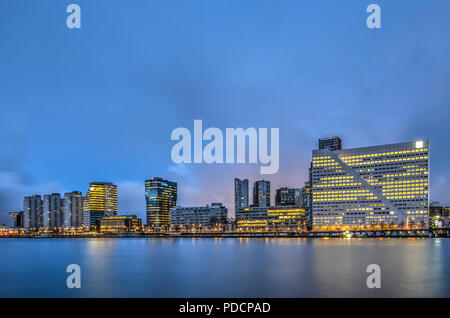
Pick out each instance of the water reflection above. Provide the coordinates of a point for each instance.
(244, 267)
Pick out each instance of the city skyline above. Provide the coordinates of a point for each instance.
(92, 104)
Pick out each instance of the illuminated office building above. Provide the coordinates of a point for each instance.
(73, 209)
(100, 202)
(160, 197)
(52, 211)
(278, 218)
(371, 188)
(33, 216)
(120, 223)
(240, 194)
(261, 193)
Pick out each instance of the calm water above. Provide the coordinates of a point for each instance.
(225, 267)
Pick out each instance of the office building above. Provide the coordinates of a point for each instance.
(278, 218)
(100, 202)
(261, 193)
(240, 194)
(371, 188)
(330, 143)
(160, 197)
(18, 218)
(288, 196)
(33, 216)
(52, 210)
(199, 217)
(73, 209)
(120, 223)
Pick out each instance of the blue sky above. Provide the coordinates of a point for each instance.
(99, 103)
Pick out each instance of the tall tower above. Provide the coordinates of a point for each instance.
(73, 209)
(32, 207)
(52, 211)
(100, 201)
(240, 194)
(261, 193)
(160, 197)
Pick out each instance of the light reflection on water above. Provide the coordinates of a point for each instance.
(244, 267)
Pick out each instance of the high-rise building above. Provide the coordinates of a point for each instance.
(33, 217)
(100, 202)
(288, 196)
(240, 194)
(200, 217)
(18, 218)
(330, 143)
(73, 209)
(381, 187)
(261, 193)
(52, 211)
(160, 197)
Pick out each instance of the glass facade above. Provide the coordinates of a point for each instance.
(371, 188)
(160, 197)
(100, 202)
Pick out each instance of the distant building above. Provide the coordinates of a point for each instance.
(18, 218)
(330, 143)
(200, 217)
(100, 202)
(439, 215)
(279, 218)
(120, 223)
(374, 188)
(160, 197)
(33, 216)
(52, 210)
(73, 209)
(240, 194)
(288, 196)
(261, 193)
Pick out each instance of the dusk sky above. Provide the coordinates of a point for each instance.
(99, 103)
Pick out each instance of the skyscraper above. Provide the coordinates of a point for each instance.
(288, 196)
(52, 211)
(17, 219)
(100, 201)
(160, 197)
(32, 207)
(381, 187)
(330, 143)
(261, 193)
(73, 209)
(240, 194)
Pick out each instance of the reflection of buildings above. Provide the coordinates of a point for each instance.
(160, 197)
(377, 187)
(100, 202)
(120, 223)
(200, 217)
(271, 218)
(261, 193)
(17, 219)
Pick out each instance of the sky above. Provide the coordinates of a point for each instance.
(99, 103)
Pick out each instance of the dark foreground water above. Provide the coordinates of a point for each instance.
(224, 267)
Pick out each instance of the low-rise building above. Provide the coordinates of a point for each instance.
(120, 223)
(274, 218)
(209, 216)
